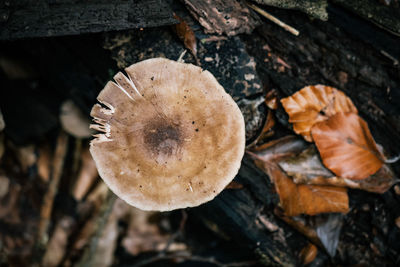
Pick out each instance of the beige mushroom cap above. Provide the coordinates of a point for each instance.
(171, 136)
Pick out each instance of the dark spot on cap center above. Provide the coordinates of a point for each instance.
(163, 137)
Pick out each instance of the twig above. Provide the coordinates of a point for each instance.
(274, 19)
(88, 257)
(48, 199)
(389, 56)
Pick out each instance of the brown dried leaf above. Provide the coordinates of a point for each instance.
(271, 99)
(308, 253)
(266, 131)
(307, 168)
(347, 147)
(309, 199)
(322, 230)
(186, 34)
(276, 149)
(234, 185)
(314, 104)
(301, 224)
(297, 199)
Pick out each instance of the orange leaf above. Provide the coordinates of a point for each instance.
(234, 185)
(313, 104)
(307, 168)
(308, 199)
(305, 199)
(308, 254)
(186, 34)
(347, 147)
(297, 199)
(271, 99)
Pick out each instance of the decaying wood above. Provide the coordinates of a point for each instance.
(223, 17)
(314, 8)
(385, 16)
(26, 18)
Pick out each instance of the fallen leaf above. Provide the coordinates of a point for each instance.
(276, 149)
(347, 147)
(303, 224)
(307, 168)
(298, 199)
(234, 185)
(308, 199)
(271, 99)
(186, 34)
(308, 254)
(322, 230)
(253, 116)
(314, 104)
(266, 131)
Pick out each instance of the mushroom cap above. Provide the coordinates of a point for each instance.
(171, 136)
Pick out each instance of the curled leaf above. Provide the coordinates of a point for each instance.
(266, 131)
(271, 99)
(234, 185)
(297, 199)
(309, 199)
(276, 149)
(307, 168)
(314, 104)
(186, 35)
(305, 199)
(347, 147)
(308, 253)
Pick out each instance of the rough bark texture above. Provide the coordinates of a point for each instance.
(223, 17)
(26, 18)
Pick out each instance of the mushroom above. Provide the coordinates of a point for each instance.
(170, 136)
(73, 121)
